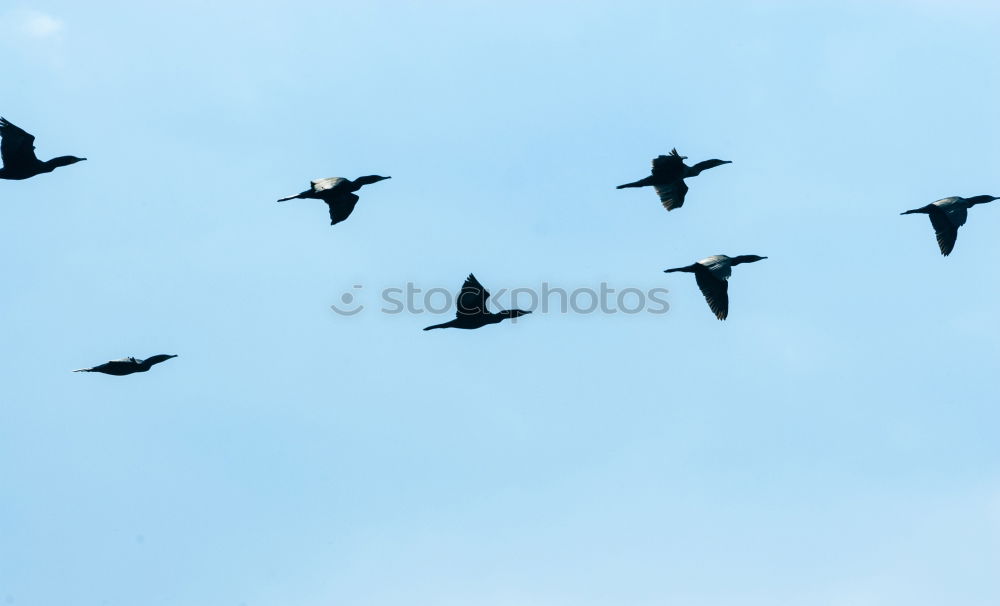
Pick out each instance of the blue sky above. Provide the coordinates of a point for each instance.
(831, 443)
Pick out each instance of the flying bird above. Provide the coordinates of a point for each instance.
(338, 193)
(127, 366)
(947, 215)
(712, 274)
(471, 311)
(17, 149)
(668, 177)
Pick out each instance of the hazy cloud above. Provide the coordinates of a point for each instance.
(32, 24)
(37, 36)
(39, 25)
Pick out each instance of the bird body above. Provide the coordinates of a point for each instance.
(471, 311)
(712, 275)
(127, 366)
(338, 193)
(947, 215)
(668, 176)
(17, 149)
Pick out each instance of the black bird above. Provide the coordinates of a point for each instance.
(471, 309)
(947, 215)
(712, 274)
(127, 366)
(668, 177)
(18, 151)
(338, 193)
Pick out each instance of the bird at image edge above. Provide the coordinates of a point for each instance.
(947, 215)
(17, 148)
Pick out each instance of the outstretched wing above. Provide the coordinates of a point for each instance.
(716, 292)
(945, 230)
(319, 185)
(668, 167)
(672, 194)
(341, 207)
(119, 367)
(472, 298)
(17, 146)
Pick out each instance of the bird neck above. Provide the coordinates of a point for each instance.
(55, 163)
(980, 199)
(367, 180)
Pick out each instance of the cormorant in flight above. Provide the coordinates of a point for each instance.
(668, 177)
(338, 193)
(127, 366)
(18, 151)
(712, 274)
(947, 215)
(471, 311)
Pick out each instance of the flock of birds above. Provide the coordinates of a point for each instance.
(17, 148)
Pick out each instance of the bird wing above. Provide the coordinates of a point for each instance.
(957, 214)
(716, 292)
(672, 195)
(341, 207)
(319, 185)
(113, 365)
(945, 230)
(669, 167)
(17, 146)
(472, 298)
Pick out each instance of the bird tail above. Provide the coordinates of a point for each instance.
(633, 184)
(686, 268)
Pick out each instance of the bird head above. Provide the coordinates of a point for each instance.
(514, 313)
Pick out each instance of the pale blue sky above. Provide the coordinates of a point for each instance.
(832, 443)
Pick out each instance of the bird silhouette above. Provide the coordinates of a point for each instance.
(947, 215)
(712, 274)
(471, 311)
(127, 366)
(17, 148)
(338, 193)
(668, 176)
